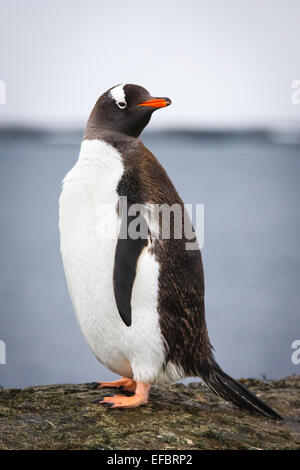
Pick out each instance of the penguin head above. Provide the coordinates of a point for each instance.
(126, 109)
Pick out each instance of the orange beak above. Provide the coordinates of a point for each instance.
(156, 102)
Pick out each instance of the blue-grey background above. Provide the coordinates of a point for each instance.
(230, 140)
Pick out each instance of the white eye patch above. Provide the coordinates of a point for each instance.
(118, 94)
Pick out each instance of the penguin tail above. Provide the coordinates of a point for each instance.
(233, 391)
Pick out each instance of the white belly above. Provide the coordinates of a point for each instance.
(89, 226)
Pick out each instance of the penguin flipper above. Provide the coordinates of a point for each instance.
(127, 253)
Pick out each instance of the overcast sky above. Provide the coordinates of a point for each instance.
(223, 63)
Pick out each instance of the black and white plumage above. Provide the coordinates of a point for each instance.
(139, 302)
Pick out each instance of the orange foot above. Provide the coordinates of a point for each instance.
(122, 384)
(118, 401)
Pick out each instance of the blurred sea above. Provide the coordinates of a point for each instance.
(250, 185)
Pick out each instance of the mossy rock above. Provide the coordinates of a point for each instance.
(179, 417)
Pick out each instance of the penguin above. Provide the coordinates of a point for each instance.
(138, 297)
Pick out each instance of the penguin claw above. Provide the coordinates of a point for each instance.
(95, 385)
(123, 384)
(106, 404)
(98, 400)
(102, 401)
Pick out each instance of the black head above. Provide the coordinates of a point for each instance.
(126, 109)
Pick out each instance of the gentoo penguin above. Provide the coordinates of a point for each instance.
(139, 300)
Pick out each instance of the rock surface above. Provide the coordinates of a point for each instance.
(179, 417)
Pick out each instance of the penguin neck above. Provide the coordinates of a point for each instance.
(115, 138)
(96, 129)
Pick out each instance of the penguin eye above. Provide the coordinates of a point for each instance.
(121, 104)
